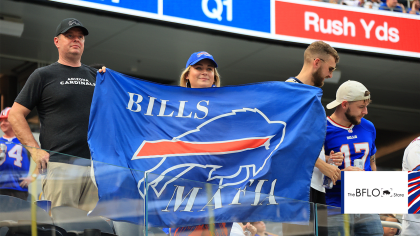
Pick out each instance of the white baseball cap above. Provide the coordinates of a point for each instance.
(350, 91)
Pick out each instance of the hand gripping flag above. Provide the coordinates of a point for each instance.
(175, 156)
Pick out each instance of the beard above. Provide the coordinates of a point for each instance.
(351, 118)
(318, 79)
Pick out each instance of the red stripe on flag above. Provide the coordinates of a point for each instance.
(414, 179)
(415, 212)
(416, 183)
(414, 189)
(166, 147)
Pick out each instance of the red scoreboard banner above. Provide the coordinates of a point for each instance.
(350, 27)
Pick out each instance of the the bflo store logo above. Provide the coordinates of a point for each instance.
(374, 192)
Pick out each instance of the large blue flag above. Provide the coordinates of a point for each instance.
(235, 153)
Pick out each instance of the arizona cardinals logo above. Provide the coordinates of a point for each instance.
(233, 133)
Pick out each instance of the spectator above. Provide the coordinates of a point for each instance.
(368, 5)
(320, 60)
(243, 229)
(14, 162)
(415, 8)
(388, 231)
(319, 64)
(195, 70)
(350, 133)
(261, 229)
(200, 72)
(392, 5)
(376, 4)
(62, 93)
(354, 3)
(411, 162)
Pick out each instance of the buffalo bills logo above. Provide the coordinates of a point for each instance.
(247, 135)
(203, 53)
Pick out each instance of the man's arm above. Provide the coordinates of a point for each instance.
(333, 172)
(402, 7)
(20, 125)
(25, 181)
(23, 133)
(373, 162)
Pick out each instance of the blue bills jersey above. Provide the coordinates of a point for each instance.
(355, 142)
(14, 166)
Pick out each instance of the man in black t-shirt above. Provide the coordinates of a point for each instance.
(62, 93)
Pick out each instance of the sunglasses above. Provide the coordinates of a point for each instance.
(332, 69)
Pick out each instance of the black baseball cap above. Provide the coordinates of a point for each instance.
(69, 23)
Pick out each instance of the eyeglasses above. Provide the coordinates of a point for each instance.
(332, 69)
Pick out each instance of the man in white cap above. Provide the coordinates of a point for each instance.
(348, 132)
(62, 93)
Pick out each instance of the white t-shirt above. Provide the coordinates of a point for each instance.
(411, 161)
(317, 177)
(375, 6)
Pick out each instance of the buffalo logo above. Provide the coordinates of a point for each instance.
(203, 53)
(386, 192)
(247, 135)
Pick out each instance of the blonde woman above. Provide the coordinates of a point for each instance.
(200, 72)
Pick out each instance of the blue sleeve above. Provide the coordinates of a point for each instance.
(383, 6)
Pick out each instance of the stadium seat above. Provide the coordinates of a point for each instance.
(15, 218)
(15, 209)
(128, 229)
(42, 230)
(75, 220)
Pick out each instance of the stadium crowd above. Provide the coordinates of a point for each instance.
(70, 106)
(405, 6)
